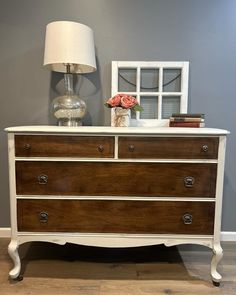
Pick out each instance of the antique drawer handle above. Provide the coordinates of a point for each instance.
(42, 179)
(131, 147)
(27, 146)
(189, 181)
(100, 148)
(205, 148)
(43, 217)
(187, 218)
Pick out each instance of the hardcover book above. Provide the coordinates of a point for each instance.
(188, 115)
(187, 124)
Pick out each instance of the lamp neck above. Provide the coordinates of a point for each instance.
(68, 68)
(68, 80)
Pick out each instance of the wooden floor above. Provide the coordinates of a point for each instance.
(71, 269)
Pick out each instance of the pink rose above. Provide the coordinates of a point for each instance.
(114, 101)
(128, 101)
(124, 101)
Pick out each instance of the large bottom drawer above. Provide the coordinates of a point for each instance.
(116, 216)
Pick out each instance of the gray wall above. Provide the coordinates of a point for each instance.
(200, 31)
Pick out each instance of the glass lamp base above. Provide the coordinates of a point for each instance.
(70, 122)
(69, 110)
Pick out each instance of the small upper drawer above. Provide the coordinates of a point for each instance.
(64, 146)
(168, 147)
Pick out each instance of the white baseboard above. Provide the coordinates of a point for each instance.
(5, 232)
(226, 236)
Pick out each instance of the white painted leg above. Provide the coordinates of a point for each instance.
(13, 252)
(217, 256)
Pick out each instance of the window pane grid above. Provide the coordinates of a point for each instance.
(160, 87)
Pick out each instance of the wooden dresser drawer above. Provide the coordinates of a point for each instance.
(64, 146)
(168, 147)
(134, 217)
(115, 179)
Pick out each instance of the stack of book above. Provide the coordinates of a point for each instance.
(187, 120)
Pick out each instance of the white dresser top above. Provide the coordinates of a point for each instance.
(117, 130)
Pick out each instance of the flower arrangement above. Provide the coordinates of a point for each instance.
(124, 101)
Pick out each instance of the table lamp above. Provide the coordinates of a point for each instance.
(69, 49)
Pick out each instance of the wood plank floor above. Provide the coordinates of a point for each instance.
(71, 269)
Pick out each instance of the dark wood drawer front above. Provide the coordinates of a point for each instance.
(116, 216)
(115, 179)
(168, 148)
(64, 146)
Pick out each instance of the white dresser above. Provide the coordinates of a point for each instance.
(116, 187)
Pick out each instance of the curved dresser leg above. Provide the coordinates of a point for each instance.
(13, 252)
(217, 256)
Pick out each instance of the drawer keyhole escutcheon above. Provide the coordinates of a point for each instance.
(187, 218)
(27, 146)
(205, 148)
(43, 217)
(189, 181)
(43, 179)
(131, 147)
(100, 148)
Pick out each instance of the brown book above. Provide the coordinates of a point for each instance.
(188, 115)
(187, 124)
(184, 119)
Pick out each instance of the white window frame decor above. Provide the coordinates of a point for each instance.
(183, 66)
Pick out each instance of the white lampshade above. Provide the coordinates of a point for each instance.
(71, 43)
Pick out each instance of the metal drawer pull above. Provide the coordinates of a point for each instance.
(205, 148)
(43, 217)
(189, 181)
(187, 218)
(100, 148)
(131, 147)
(27, 146)
(42, 179)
